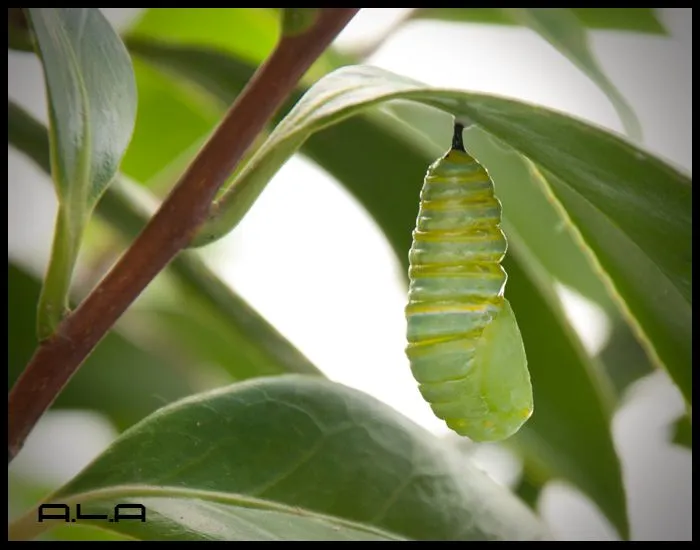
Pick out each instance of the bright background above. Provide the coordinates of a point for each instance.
(326, 316)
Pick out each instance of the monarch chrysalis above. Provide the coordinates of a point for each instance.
(464, 344)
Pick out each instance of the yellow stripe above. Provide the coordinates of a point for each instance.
(489, 200)
(457, 268)
(476, 267)
(459, 236)
(421, 308)
(417, 349)
(476, 177)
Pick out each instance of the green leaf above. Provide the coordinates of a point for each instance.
(238, 338)
(660, 312)
(176, 114)
(172, 117)
(23, 493)
(563, 30)
(683, 432)
(625, 19)
(220, 75)
(569, 435)
(610, 180)
(92, 108)
(197, 517)
(277, 457)
(246, 33)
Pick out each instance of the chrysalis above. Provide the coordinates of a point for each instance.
(464, 344)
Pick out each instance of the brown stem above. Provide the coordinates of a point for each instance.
(169, 231)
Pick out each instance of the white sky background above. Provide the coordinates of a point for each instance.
(350, 322)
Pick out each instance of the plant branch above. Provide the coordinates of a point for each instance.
(170, 229)
(127, 207)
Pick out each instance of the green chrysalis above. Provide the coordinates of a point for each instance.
(464, 344)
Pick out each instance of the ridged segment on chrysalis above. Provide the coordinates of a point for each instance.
(464, 344)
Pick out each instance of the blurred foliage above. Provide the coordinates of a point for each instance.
(18, 35)
(118, 367)
(195, 299)
(619, 19)
(303, 458)
(529, 489)
(683, 432)
(564, 31)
